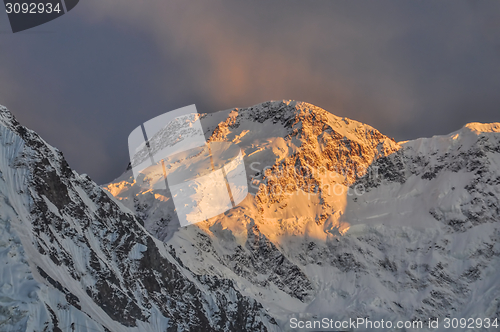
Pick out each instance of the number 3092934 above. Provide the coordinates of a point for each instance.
(31, 8)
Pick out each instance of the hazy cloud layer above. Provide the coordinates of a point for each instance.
(408, 68)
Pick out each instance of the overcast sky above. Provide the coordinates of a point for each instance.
(408, 68)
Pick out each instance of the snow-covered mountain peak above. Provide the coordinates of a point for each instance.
(5, 115)
(278, 137)
(461, 140)
(299, 118)
(484, 127)
(7, 119)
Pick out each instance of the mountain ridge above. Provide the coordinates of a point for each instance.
(307, 227)
(420, 241)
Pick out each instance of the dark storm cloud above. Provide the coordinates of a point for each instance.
(408, 68)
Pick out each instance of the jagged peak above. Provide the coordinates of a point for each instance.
(7, 119)
(31, 138)
(293, 112)
(289, 108)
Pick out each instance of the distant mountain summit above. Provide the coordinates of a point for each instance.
(341, 222)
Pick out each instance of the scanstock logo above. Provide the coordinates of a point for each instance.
(26, 14)
(205, 179)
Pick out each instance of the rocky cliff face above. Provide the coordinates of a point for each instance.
(342, 222)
